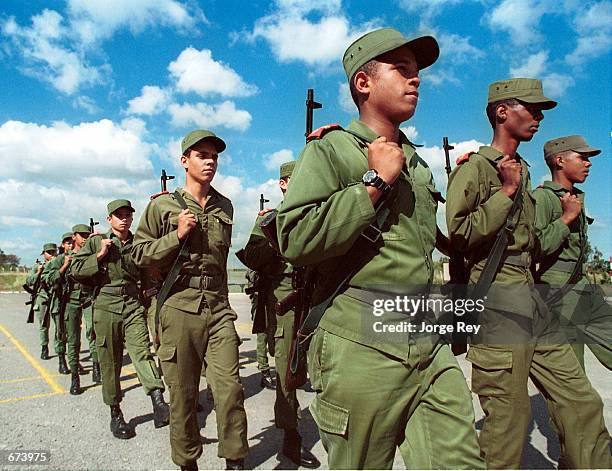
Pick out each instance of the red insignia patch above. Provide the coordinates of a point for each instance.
(319, 133)
(464, 157)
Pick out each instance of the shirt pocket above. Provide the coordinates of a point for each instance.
(221, 229)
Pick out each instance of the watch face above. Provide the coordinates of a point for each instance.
(369, 176)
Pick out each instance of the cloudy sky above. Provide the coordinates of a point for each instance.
(96, 94)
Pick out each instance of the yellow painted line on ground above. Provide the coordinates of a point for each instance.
(23, 380)
(43, 373)
(34, 396)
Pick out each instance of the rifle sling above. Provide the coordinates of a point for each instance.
(499, 246)
(175, 270)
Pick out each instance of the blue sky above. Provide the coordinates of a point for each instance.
(96, 94)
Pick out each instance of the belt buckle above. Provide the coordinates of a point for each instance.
(205, 282)
(372, 238)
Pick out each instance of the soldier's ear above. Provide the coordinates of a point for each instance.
(362, 82)
(501, 112)
(185, 160)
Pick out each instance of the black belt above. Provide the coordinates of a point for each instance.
(203, 282)
(124, 290)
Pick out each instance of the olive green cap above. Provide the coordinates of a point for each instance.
(575, 143)
(198, 135)
(49, 246)
(67, 235)
(377, 42)
(81, 228)
(523, 89)
(116, 204)
(286, 169)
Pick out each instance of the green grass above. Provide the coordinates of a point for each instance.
(12, 281)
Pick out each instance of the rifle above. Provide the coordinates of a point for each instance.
(164, 179)
(262, 202)
(33, 292)
(92, 224)
(299, 299)
(456, 268)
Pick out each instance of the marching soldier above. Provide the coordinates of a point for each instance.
(585, 315)
(49, 251)
(105, 262)
(187, 236)
(362, 208)
(260, 256)
(52, 276)
(490, 215)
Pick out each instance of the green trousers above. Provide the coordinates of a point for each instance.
(499, 377)
(43, 332)
(90, 333)
(368, 403)
(262, 341)
(286, 406)
(114, 331)
(59, 338)
(73, 317)
(187, 340)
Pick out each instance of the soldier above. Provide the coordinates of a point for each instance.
(374, 394)
(187, 235)
(105, 261)
(266, 381)
(488, 197)
(260, 256)
(585, 315)
(49, 251)
(52, 277)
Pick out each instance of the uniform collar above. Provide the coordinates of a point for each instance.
(111, 235)
(212, 195)
(494, 155)
(364, 130)
(557, 188)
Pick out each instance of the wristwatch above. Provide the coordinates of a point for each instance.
(371, 178)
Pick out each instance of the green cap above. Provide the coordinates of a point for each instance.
(116, 204)
(49, 246)
(377, 42)
(523, 89)
(286, 169)
(575, 143)
(81, 228)
(67, 235)
(198, 135)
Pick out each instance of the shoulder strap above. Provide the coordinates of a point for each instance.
(175, 270)
(501, 241)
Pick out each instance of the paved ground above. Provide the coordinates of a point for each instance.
(37, 413)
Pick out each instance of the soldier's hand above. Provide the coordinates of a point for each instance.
(387, 158)
(104, 246)
(186, 223)
(39, 269)
(510, 172)
(571, 208)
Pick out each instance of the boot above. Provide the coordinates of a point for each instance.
(118, 426)
(75, 385)
(44, 354)
(161, 411)
(190, 467)
(81, 369)
(63, 367)
(292, 449)
(267, 381)
(95, 373)
(234, 464)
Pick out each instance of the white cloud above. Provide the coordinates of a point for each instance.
(94, 20)
(86, 103)
(555, 85)
(520, 19)
(152, 100)
(536, 65)
(410, 132)
(210, 116)
(46, 55)
(593, 28)
(344, 98)
(457, 49)
(274, 160)
(21, 221)
(197, 71)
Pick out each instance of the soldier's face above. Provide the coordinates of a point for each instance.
(394, 88)
(48, 255)
(522, 120)
(68, 244)
(575, 166)
(201, 165)
(121, 219)
(79, 239)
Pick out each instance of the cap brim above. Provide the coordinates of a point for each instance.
(546, 103)
(590, 151)
(216, 141)
(426, 50)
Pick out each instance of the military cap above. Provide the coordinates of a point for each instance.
(377, 42)
(116, 204)
(575, 143)
(286, 169)
(523, 89)
(49, 246)
(67, 235)
(198, 135)
(81, 228)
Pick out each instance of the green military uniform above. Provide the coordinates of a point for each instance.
(585, 315)
(261, 350)
(196, 320)
(374, 394)
(40, 304)
(519, 337)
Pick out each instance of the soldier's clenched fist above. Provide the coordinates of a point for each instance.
(387, 158)
(510, 172)
(186, 223)
(104, 246)
(571, 208)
